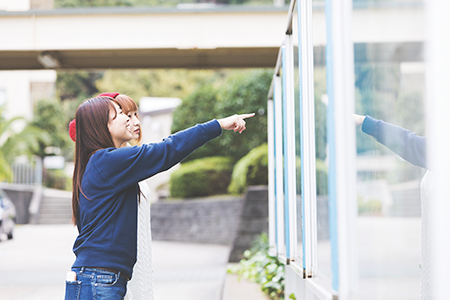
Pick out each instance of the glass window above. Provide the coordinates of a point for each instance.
(389, 86)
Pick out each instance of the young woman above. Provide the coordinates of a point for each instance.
(105, 189)
(141, 285)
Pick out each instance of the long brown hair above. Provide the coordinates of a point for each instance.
(128, 105)
(92, 119)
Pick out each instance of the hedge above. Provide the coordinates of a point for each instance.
(201, 177)
(250, 170)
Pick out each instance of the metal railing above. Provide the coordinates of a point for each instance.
(27, 172)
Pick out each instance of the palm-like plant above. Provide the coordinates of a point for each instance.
(14, 143)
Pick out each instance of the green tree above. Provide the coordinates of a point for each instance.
(239, 92)
(245, 92)
(14, 143)
(77, 85)
(178, 83)
(49, 116)
(198, 107)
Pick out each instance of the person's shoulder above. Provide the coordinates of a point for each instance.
(107, 153)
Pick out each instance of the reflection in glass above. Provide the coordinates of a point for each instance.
(388, 195)
(323, 227)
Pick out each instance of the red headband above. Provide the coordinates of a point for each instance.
(72, 124)
(112, 95)
(73, 130)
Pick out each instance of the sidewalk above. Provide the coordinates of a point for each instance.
(33, 267)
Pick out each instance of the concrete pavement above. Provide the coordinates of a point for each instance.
(33, 267)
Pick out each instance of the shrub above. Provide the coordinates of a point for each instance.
(250, 170)
(260, 267)
(55, 179)
(201, 177)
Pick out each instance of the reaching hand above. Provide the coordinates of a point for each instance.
(358, 119)
(235, 122)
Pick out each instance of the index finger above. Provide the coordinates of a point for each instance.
(245, 116)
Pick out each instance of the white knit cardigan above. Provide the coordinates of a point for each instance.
(140, 287)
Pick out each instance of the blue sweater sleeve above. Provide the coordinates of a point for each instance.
(405, 143)
(124, 167)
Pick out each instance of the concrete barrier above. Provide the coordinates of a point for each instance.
(225, 221)
(252, 222)
(21, 196)
(207, 220)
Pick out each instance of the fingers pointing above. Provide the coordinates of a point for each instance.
(245, 116)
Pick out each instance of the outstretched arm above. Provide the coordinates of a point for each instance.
(126, 166)
(405, 143)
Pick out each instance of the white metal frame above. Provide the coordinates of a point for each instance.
(277, 90)
(343, 97)
(290, 136)
(308, 138)
(343, 94)
(271, 183)
(438, 145)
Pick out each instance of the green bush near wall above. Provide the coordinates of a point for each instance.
(250, 170)
(201, 177)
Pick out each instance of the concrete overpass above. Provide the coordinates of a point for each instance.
(225, 37)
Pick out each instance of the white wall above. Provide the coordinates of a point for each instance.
(15, 90)
(14, 5)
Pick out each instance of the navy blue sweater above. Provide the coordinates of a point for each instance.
(405, 143)
(107, 220)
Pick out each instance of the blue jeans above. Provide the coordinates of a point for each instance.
(96, 284)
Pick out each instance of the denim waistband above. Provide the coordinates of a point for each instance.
(99, 270)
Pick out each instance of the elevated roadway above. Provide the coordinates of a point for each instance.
(226, 37)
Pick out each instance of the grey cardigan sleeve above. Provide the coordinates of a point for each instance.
(405, 143)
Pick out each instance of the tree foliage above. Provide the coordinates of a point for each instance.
(78, 85)
(240, 92)
(13, 143)
(50, 116)
(178, 83)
